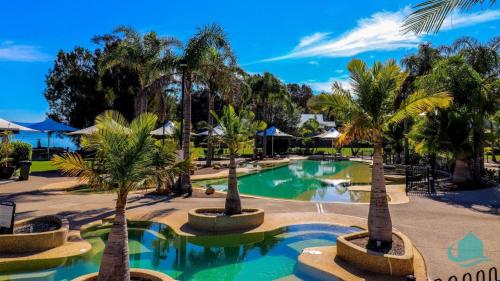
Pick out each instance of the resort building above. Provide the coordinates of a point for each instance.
(319, 117)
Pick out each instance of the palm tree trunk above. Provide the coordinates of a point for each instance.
(478, 150)
(461, 174)
(379, 217)
(264, 143)
(255, 147)
(115, 260)
(210, 122)
(186, 131)
(233, 201)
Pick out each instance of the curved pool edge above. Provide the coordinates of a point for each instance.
(74, 246)
(396, 197)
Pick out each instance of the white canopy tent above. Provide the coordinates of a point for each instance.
(166, 130)
(331, 134)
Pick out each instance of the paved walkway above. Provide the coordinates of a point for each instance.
(433, 223)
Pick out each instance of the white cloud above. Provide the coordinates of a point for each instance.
(339, 71)
(9, 51)
(380, 32)
(313, 62)
(458, 19)
(326, 86)
(311, 39)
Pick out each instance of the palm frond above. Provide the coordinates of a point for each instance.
(420, 102)
(429, 15)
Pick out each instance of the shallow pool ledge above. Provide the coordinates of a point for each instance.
(322, 263)
(178, 221)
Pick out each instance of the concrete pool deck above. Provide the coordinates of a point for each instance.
(433, 223)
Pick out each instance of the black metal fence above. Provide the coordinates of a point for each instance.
(481, 275)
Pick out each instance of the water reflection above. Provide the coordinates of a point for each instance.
(263, 256)
(307, 180)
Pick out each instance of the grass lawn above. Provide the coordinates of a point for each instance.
(42, 166)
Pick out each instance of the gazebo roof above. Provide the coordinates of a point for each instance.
(217, 131)
(169, 129)
(330, 134)
(273, 132)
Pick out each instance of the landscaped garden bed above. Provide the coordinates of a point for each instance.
(215, 220)
(395, 259)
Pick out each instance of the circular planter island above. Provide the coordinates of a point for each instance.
(35, 235)
(135, 274)
(391, 264)
(214, 219)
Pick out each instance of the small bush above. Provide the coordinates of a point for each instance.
(22, 152)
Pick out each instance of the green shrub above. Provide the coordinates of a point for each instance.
(22, 152)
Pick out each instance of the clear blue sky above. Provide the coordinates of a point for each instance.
(299, 41)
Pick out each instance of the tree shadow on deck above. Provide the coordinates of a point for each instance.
(483, 200)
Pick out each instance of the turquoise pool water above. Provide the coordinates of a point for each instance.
(306, 180)
(262, 257)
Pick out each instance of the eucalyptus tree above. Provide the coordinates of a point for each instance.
(208, 38)
(367, 109)
(124, 161)
(215, 73)
(485, 60)
(267, 94)
(151, 57)
(237, 129)
(429, 15)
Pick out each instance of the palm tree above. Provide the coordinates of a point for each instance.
(215, 71)
(416, 65)
(484, 59)
(237, 129)
(430, 14)
(369, 108)
(124, 156)
(207, 38)
(152, 58)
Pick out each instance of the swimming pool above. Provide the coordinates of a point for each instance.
(258, 256)
(307, 180)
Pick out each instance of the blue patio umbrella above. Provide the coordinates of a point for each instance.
(49, 126)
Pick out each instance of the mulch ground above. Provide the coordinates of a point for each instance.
(397, 248)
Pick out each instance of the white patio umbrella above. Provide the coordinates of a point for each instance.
(9, 126)
(85, 131)
(332, 134)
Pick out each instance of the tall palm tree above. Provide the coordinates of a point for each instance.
(207, 38)
(215, 71)
(152, 57)
(237, 129)
(484, 59)
(416, 65)
(369, 108)
(429, 15)
(124, 156)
